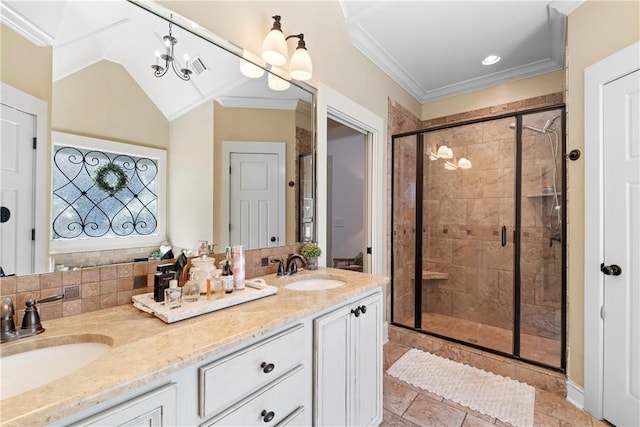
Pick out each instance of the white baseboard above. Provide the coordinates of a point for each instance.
(575, 394)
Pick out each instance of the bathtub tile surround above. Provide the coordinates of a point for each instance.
(94, 288)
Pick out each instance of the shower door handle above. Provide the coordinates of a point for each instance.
(504, 235)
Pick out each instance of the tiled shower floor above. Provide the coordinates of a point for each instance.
(532, 347)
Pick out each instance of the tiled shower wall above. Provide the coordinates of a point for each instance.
(94, 288)
(461, 210)
(463, 215)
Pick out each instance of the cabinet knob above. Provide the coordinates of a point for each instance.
(363, 308)
(267, 416)
(356, 311)
(267, 367)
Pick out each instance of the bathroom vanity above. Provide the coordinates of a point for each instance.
(291, 359)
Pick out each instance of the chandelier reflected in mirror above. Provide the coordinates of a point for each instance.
(169, 58)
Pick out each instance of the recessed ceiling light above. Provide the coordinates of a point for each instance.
(491, 59)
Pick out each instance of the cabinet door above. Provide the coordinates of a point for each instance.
(155, 408)
(332, 358)
(367, 363)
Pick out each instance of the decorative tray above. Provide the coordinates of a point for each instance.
(254, 289)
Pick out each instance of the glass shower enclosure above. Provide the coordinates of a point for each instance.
(478, 234)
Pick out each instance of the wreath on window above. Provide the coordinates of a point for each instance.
(102, 178)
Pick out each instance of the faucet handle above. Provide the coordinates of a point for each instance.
(31, 320)
(281, 271)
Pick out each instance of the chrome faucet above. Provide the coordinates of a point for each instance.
(292, 266)
(30, 322)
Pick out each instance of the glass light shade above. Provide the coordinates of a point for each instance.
(433, 156)
(445, 152)
(250, 69)
(300, 67)
(450, 166)
(464, 163)
(276, 83)
(274, 48)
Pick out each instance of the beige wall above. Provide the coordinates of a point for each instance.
(103, 101)
(256, 125)
(595, 30)
(190, 179)
(24, 66)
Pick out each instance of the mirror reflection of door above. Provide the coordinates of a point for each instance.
(256, 194)
(346, 207)
(16, 163)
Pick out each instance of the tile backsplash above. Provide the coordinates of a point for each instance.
(95, 288)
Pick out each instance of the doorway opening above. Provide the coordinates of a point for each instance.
(346, 196)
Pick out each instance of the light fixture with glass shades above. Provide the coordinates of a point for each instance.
(274, 51)
(444, 152)
(169, 58)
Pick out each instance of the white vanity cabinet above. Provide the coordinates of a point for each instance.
(156, 408)
(348, 364)
(263, 384)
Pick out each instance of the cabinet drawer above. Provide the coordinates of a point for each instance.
(277, 404)
(243, 372)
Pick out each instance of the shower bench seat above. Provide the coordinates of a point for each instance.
(434, 275)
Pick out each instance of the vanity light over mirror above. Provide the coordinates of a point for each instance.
(239, 155)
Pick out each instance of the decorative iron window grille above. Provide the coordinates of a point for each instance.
(84, 209)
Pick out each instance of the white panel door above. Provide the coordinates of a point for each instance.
(254, 206)
(16, 195)
(622, 250)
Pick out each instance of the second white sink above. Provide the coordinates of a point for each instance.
(314, 284)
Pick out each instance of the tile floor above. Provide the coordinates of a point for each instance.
(406, 405)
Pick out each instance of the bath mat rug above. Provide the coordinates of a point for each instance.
(503, 398)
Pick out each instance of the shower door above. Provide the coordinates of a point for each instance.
(478, 230)
(467, 263)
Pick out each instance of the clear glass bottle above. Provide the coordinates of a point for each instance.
(173, 295)
(191, 289)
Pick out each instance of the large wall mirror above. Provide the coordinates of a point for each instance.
(229, 139)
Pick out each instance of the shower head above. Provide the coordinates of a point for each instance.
(549, 122)
(513, 126)
(544, 129)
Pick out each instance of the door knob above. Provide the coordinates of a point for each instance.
(273, 238)
(611, 270)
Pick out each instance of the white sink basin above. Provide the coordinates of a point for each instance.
(314, 284)
(30, 369)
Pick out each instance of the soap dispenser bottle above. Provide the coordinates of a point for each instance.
(227, 278)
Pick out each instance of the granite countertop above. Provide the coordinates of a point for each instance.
(144, 348)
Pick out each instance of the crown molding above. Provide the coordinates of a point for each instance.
(24, 27)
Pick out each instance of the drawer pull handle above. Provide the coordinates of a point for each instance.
(356, 311)
(267, 367)
(267, 416)
(363, 308)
